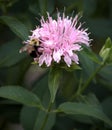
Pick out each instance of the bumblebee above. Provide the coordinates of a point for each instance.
(33, 48)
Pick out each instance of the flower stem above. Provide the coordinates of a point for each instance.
(91, 78)
(81, 89)
(47, 115)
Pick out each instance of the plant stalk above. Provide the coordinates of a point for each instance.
(47, 115)
(91, 78)
(81, 89)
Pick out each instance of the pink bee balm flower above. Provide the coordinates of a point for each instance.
(59, 40)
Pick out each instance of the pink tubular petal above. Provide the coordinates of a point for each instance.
(41, 60)
(48, 60)
(67, 60)
(57, 56)
(59, 39)
(75, 58)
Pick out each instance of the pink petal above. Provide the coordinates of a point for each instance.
(67, 59)
(48, 60)
(57, 56)
(75, 58)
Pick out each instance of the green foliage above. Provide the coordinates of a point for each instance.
(91, 55)
(32, 118)
(54, 81)
(107, 106)
(20, 94)
(73, 107)
(28, 117)
(16, 26)
(88, 66)
(106, 51)
(84, 109)
(105, 76)
(40, 118)
(13, 56)
(72, 68)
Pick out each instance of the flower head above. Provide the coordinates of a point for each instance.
(59, 40)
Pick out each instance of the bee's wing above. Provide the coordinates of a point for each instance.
(24, 48)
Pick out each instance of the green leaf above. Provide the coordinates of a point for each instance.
(107, 106)
(88, 52)
(84, 109)
(87, 99)
(69, 84)
(21, 95)
(32, 118)
(41, 89)
(106, 76)
(54, 81)
(13, 75)
(91, 99)
(9, 54)
(71, 68)
(46, 6)
(43, 6)
(16, 26)
(87, 65)
(28, 117)
(106, 51)
(40, 119)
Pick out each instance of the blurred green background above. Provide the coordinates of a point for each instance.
(17, 19)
